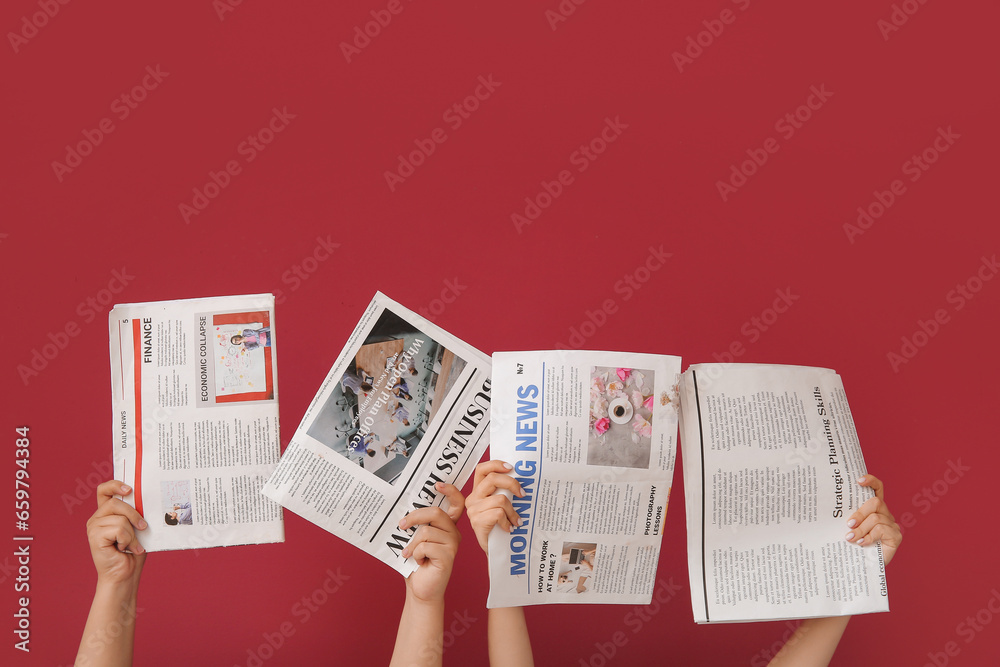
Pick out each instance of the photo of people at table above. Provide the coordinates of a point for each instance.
(397, 381)
(576, 567)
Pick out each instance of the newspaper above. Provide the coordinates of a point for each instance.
(771, 462)
(195, 419)
(406, 405)
(592, 439)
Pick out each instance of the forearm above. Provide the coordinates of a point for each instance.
(510, 645)
(813, 643)
(109, 636)
(419, 640)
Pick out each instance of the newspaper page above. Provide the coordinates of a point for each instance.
(405, 406)
(591, 437)
(771, 463)
(195, 419)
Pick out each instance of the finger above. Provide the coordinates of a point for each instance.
(491, 517)
(888, 533)
(502, 503)
(109, 490)
(440, 555)
(115, 531)
(489, 485)
(484, 470)
(114, 506)
(456, 501)
(875, 484)
(865, 527)
(871, 506)
(430, 534)
(432, 516)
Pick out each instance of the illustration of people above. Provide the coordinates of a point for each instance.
(397, 446)
(401, 389)
(363, 445)
(401, 413)
(251, 339)
(572, 582)
(355, 384)
(180, 515)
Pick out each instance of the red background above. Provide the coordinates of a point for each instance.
(323, 176)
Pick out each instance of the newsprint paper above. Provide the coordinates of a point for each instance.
(592, 438)
(406, 405)
(771, 463)
(195, 419)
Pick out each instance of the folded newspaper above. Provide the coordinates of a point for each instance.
(406, 405)
(771, 462)
(195, 419)
(592, 439)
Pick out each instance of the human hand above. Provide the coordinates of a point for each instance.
(487, 508)
(873, 521)
(433, 546)
(117, 553)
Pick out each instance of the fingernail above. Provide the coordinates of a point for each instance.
(861, 541)
(126, 488)
(142, 524)
(139, 549)
(849, 537)
(406, 553)
(507, 466)
(861, 480)
(520, 521)
(439, 486)
(851, 523)
(402, 524)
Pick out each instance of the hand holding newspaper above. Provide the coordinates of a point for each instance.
(405, 406)
(195, 417)
(771, 463)
(591, 437)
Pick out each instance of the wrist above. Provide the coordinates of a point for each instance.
(119, 589)
(432, 603)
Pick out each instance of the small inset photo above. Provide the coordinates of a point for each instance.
(621, 411)
(236, 358)
(576, 567)
(392, 391)
(176, 502)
